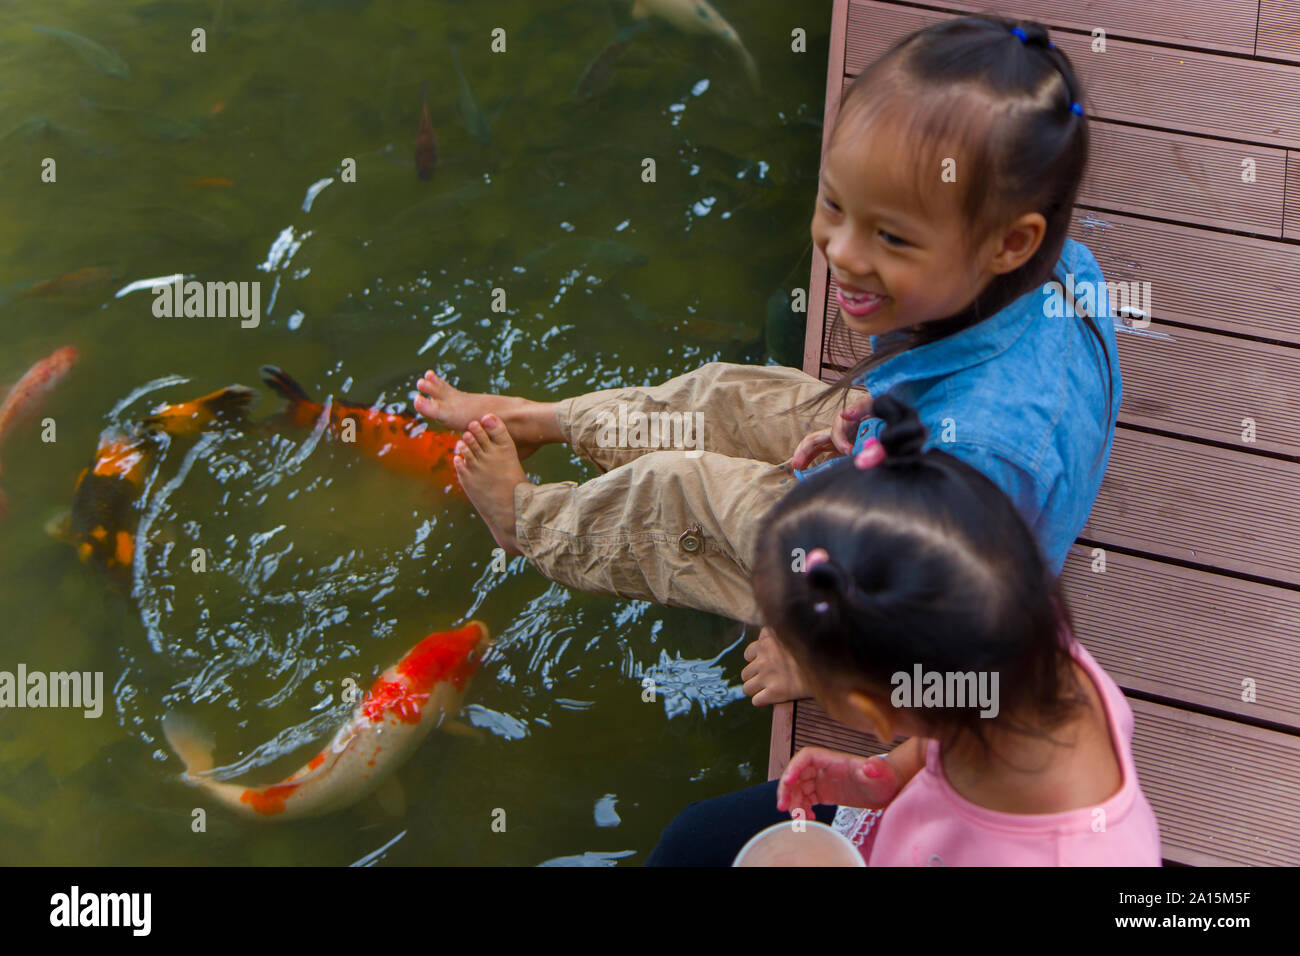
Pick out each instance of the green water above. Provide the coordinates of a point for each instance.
(321, 565)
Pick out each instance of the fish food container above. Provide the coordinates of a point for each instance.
(812, 844)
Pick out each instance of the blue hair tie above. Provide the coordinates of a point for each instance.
(1076, 109)
(1020, 33)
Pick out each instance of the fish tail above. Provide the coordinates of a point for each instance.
(280, 382)
(301, 409)
(190, 742)
(232, 402)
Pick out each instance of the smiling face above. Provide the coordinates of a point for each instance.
(900, 260)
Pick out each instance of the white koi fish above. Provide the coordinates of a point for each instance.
(697, 16)
(406, 702)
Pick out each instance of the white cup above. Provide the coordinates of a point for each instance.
(813, 844)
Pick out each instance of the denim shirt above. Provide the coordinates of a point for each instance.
(1021, 396)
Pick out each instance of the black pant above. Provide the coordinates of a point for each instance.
(711, 832)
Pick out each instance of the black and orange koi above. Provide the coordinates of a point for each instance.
(104, 515)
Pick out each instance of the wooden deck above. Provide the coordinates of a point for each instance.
(1200, 598)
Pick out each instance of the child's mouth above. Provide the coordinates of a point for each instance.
(859, 304)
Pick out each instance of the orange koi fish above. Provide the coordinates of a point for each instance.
(426, 142)
(25, 398)
(401, 442)
(104, 515)
(407, 701)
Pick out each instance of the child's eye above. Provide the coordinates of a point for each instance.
(830, 205)
(892, 239)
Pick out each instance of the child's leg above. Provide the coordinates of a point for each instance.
(664, 527)
(742, 411)
(667, 527)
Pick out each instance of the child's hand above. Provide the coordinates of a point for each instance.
(845, 429)
(813, 444)
(838, 438)
(817, 775)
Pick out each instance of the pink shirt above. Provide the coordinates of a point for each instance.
(930, 824)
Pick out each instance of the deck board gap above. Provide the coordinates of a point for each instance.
(1089, 542)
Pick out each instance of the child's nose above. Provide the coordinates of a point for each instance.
(847, 257)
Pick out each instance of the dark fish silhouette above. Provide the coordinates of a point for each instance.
(426, 141)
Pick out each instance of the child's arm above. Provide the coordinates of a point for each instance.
(820, 776)
(907, 759)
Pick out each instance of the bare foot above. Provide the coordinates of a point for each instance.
(772, 676)
(488, 467)
(531, 424)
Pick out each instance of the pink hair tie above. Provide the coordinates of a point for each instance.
(872, 454)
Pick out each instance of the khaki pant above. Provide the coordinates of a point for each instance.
(672, 526)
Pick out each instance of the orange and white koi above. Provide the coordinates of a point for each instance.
(401, 442)
(24, 398)
(407, 701)
(104, 515)
(697, 16)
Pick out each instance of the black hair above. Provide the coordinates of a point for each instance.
(930, 564)
(968, 87)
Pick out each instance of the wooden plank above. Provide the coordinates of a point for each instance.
(1147, 84)
(1189, 635)
(1279, 29)
(1185, 178)
(813, 727)
(1212, 280)
(781, 745)
(1225, 793)
(1291, 203)
(1215, 387)
(817, 280)
(1224, 25)
(1210, 506)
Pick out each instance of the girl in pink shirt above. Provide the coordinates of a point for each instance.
(915, 598)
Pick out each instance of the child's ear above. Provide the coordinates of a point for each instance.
(871, 716)
(1019, 242)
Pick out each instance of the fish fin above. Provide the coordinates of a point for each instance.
(59, 526)
(190, 742)
(639, 10)
(751, 66)
(280, 382)
(462, 729)
(391, 797)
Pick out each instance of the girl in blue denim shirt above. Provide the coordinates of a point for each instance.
(945, 199)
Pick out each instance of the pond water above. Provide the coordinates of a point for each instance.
(320, 565)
